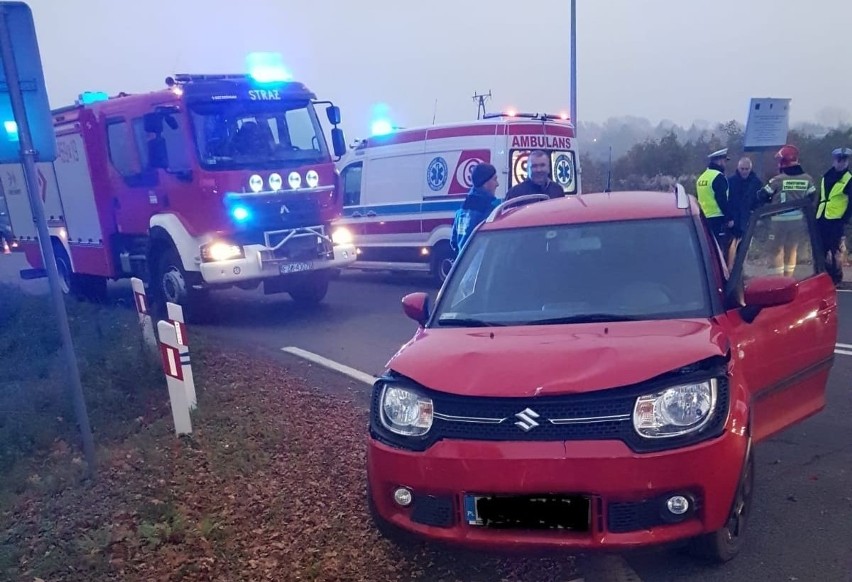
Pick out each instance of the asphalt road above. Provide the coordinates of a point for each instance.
(801, 527)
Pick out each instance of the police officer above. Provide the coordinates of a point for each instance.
(833, 209)
(712, 190)
(787, 229)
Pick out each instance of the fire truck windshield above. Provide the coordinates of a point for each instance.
(250, 134)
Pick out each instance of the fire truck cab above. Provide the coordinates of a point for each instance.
(401, 188)
(214, 181)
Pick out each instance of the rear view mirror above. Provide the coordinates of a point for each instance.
(416, 306)
(338, 141)
(333, 112)
(769, 291)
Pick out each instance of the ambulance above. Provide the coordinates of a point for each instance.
(401, 188)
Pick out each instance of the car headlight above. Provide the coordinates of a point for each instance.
(675, 411)
(221, 251)
(342, 236)
(404, 411)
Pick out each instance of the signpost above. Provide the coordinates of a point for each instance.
(767, 125)
(26, 135)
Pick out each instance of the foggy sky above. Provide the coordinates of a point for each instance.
(679, 60)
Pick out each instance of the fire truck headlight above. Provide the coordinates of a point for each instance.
(312, 178)
(256, 183)
(342, 236)
(240, 213)
(295, 180)
(275, 181)
(221, 251)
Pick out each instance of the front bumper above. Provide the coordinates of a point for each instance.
(259, 263)
(625, 489)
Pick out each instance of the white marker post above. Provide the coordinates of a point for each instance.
(174, 376)
(175, 313)
(145, 320)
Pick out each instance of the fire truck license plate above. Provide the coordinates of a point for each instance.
(294, 267)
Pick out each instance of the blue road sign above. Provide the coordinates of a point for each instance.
(19, 21)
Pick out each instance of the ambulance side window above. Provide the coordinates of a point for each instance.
(352, 184)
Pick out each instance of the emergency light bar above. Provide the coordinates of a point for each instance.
(184, 78)
(542, 116)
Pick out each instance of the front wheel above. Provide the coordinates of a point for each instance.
(171, 285)
(310, 289)
(723, 545)
(442, 261)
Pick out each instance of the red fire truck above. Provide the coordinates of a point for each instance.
(214, 181)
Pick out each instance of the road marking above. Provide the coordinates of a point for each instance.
(331, 364)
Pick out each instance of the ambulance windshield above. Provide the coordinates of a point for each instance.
(248, 134)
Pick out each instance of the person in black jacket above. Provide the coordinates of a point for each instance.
(538, 178)
(743, 187)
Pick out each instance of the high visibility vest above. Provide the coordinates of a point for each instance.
(834, 203)
(706, 194)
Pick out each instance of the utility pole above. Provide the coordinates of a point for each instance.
(574, 65)
(28, 158)
(480, 100)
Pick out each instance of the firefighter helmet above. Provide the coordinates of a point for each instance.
(787, 156)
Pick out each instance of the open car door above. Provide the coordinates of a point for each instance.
(784, 328)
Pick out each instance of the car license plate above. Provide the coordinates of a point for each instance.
(294, 267)
(530, 512)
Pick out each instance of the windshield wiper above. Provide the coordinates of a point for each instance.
(466, 322)
(585, 318)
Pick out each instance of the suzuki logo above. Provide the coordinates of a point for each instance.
(526, 419)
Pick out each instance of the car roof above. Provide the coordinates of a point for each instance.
(597, 207)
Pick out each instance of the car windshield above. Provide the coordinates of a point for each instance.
(611, 271)
(248, 134)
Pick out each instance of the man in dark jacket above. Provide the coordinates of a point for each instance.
(538, 178)
(743, 187)
(476, 207)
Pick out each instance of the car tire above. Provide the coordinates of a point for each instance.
(171, 284)
(726, 543)
(442, 261)
(310, 289)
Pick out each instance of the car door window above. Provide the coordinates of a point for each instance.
(781, 244)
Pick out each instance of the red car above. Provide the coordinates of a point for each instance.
(593, 377)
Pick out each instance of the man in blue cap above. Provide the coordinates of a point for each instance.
(833, 210)
(479, 203)
(712, 190)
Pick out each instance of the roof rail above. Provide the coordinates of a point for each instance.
(509, 204)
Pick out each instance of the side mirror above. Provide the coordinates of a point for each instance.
(333, 113)
(158, 156)
(416, 306)
(338, 142)
(153, 122)
(770, 291)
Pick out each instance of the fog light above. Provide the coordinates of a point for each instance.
(678, 504)
(402, 496)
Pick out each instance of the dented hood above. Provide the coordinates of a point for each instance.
(558, 359)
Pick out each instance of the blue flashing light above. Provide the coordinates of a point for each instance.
(11, 130)
(267, 68)
(381, 127)
(88, 97)
(240, 213)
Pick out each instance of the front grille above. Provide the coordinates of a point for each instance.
(601, 415)
(433, 510)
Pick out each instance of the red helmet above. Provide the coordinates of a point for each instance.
(787, 156)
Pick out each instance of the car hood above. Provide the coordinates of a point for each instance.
(557, 359)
